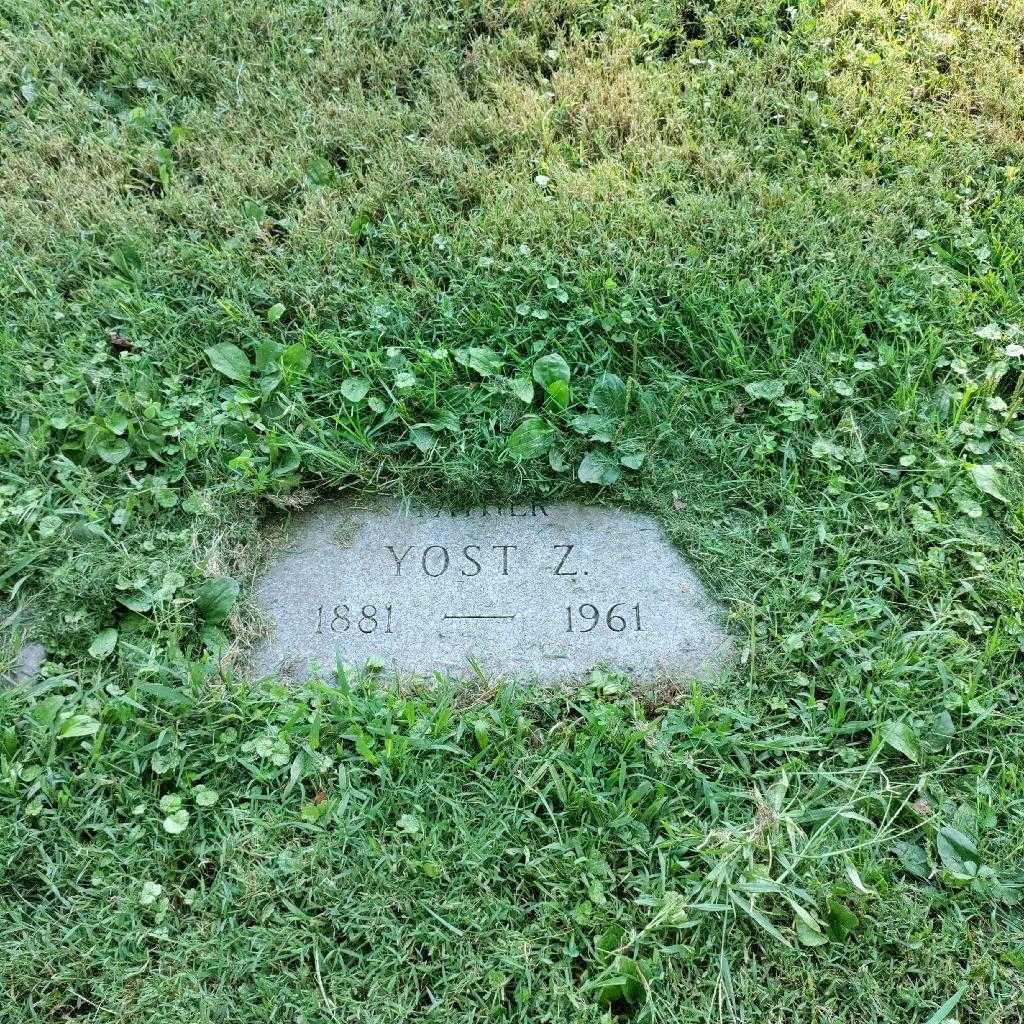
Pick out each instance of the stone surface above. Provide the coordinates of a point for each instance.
(27, 665)
(531, 590)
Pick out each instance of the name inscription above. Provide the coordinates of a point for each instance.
(435, 560)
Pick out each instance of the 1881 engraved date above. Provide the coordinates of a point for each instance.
(342, 618)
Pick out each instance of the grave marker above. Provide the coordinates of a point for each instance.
(533, 590)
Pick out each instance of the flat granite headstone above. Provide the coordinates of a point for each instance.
(530, 590)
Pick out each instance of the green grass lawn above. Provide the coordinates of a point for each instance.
(753, 268)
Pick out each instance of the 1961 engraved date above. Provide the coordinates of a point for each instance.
(586, 617)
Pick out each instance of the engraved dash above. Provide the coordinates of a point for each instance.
(478, 616)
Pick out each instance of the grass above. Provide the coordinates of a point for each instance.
(251, 253)
(376, 857)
